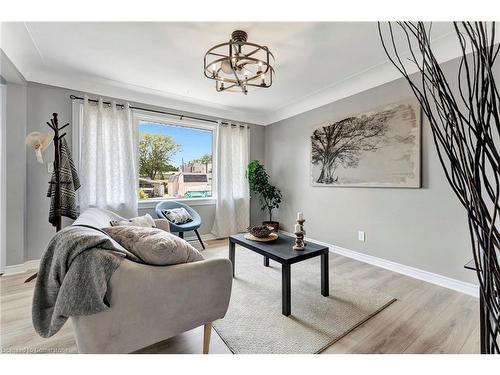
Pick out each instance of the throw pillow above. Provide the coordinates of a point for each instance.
(154, 246)
(178, 215)
(139, 221)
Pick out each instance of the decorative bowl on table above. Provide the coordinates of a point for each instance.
(261, 233)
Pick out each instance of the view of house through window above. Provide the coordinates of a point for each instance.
(174, 161)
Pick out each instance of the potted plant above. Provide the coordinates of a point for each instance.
(269, 195)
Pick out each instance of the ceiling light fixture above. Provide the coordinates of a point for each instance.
(239, 65)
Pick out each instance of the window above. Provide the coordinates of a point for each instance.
(175, 161)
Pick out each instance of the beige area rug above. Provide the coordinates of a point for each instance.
(254, 323)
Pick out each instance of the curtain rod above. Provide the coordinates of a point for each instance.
(181, 116)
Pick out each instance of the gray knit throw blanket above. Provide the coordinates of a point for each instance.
(73, 277)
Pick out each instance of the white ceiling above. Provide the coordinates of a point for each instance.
(162, 63)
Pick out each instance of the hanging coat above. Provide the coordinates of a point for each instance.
(69, 184)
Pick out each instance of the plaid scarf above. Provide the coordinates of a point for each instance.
(68, 185)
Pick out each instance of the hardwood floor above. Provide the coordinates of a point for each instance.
(425, 319)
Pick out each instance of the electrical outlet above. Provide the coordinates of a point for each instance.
(361, 236)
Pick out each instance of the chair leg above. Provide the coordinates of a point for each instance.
(207, 331)
(199, 239)
(181, 234)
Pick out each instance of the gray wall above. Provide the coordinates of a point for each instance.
(16, 172)
(15, 121)
(42, 101)
(423, 228)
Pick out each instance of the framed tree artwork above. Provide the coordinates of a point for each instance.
(376, 148)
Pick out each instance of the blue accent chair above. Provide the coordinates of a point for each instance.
(180, 228)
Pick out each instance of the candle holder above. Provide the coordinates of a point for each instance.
(299, 241)
(299, 236)
(301, 223)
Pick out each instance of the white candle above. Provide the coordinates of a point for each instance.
(300, 216)
(297, 228)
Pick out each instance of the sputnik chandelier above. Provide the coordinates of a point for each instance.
(239, 65)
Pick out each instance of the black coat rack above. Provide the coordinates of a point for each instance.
(54, 125)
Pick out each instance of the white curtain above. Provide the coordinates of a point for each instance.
(233, 202)
(108, 159)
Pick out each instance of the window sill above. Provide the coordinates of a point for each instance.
(151, 203)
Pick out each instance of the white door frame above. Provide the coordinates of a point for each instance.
(3, 177)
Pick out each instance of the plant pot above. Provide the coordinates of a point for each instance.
(274, 224)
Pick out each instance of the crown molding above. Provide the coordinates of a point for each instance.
(8, 71)
(30, 63)
(445, 48)
(133, 93)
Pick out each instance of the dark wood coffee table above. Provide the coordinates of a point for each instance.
(282, 252)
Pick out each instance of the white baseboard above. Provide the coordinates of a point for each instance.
(21, 268)
(433, 278)
(33, 264)
(416, 273)
(204, 237)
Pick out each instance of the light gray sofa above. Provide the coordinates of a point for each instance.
(150, 303)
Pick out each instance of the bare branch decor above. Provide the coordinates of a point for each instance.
(465, 125)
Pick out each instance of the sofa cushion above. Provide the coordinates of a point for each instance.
(97, 218)
(177, 215)
(154, 246)
(139, 221)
